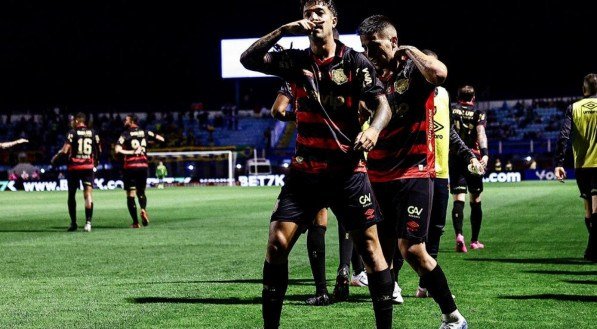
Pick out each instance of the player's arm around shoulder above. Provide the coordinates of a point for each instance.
(434, 70)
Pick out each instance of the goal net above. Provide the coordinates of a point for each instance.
(203, 167)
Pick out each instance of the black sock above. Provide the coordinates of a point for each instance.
(316, 249)
(476, 219)
(275, 283)
(588, 224)
(457, 214)
(89, 213)
(593, 235)
(357, 262)
(381, 287)
(397, 263)
(72, 210)
(142, 201)
(346, 247)
(437, 284)
(130, 203)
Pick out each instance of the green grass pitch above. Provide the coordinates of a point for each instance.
(199, 262)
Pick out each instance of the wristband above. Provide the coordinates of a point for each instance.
(484, 151)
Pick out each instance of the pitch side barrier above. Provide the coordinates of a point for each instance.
(62, 184)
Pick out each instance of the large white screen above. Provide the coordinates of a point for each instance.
(231, 49)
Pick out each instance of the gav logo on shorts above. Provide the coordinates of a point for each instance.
(365, 200)
(414, 211)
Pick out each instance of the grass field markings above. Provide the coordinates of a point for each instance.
(192, 300)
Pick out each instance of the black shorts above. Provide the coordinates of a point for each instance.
(586, 179)
(406, 207)
(135, 179)
(349, 196)
(441, 195)
(461, 178)
(76, 177)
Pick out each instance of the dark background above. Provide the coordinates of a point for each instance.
(114, 53)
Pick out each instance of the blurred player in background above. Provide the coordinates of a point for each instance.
(161, 172)
(580, 124)
(82, 146)
(469, 122)
(133, 145)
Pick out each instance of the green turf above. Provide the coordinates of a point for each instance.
(199, 263)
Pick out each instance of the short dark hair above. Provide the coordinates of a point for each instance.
(429, 52)
(81, 117)
(466, 93)
(590, 84)
(328, 3)
(374, 24)
(133, 117)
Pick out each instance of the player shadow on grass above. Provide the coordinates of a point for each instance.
(295, 299)
(560, 272)
(558, 297)
(559, 261)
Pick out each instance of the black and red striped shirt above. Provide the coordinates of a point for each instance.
(465, 119)
(325, 96)
(84, 148)
(132, 139)
(406, 147)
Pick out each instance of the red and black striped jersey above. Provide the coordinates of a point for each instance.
(325, 95)
(406, 147)
(465, 118)
(132, 139)
(84, 148)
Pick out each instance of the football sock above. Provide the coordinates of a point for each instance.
(397, 263)
(381, 287)
(476, 219)
(89, 213)
(316, 249)
(357, 262)
(588, 224)
(345, 246)
(130, 203)
(275, 283)
(457, 214)
(142, 201)
(72, 209)
(437, 285)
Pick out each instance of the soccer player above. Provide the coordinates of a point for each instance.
(161, 172)
(469, 122)
(316, 230)
(580, 124)
(402, 165)
(82, 146)
(446, 141)
(133, 145)
(327, 80)
(5, 145)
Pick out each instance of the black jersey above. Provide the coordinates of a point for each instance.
(132, 139)
(325, 95)
(84, 148)
(466, 117)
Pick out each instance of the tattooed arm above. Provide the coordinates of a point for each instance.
(256, 57)
(434, 71)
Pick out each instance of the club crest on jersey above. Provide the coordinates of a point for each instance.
(339, 77)
(400, 86)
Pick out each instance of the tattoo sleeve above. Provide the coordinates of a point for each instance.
(481, 137)
(563, 138)
(434, 71)
(256, 57)
(383, 114)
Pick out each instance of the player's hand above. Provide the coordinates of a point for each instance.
(476, 167)
(138, 151)
(560, 173)
(366, 140)
(484, 160)
(302, 27)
